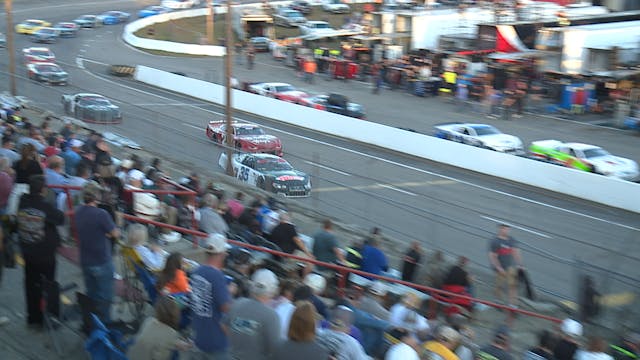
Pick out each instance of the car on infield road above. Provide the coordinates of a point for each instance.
(584, 157)
(30, 26)
(316, 27)
(38, 54)
(45, 35)
(113, 17)
(335, 103)
(335, 7)
(480, 135)
(247, 137)
(67, 29)
(276, 90)
(288, 17)
(152, 11)
(260, 43)
(91, 107)
(179, 4)
(268, 172)
(47, 72)
(302, 6)
(88, 21)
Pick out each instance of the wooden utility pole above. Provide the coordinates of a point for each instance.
(12, 56)
(229, 43)
(210, 22)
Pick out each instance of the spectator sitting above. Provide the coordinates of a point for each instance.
(595, 350)
(6, 185)
(210, 220)
(80, 179)
(8, 151)
(153, 257)
(284, 306)
(404, 314)
(567, 346)
(173, 280)
(235, 205)
(250, 214)
(317, 284)
(336, 339)
(445, 343)
(145, 205)
(544, 350)
(373, 259)
(467, 348)
(123, 170)
(301, 334)
(371, 301)
(158, 337)
(28, 165)
(498, 349)
(253, 327)
(405, 349)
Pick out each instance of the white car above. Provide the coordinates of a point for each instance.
(335, 6)
(480, 135)
(316, 27)
(280, 91)
(268, 172)
(179, 4)
(585, 157)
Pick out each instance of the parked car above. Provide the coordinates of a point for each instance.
(280, 91)
(246, 137)
(91, 108)
(38, 54)
(288, 17)
(335, 103)
(67, 29)
(113, 17)
(260, 43)
(584, 157)
(316, 27)
(87, 21)
(268, 172)
(30, 26)
(302, 6)
(335, 6)
(152, 11)
(480, 135)
(47, 72)
(45, 35)
(180, 4)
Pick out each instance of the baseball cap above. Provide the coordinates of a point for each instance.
(265, 281)
(378, 288)
(136, 174)
(571, 327)
(216, 244)
(75, 143)
(316, 282)
(127, 163)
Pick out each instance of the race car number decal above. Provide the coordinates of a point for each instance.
(243, 174)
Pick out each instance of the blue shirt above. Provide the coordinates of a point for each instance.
(54, 178)
(93, 224)
(71, 160)
(208, 294)
(373, 260)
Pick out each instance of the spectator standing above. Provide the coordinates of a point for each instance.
(374, 260)
(504, 257)
(310, 68)
(28, 165)
(209, 301)
(286, 237)
(445, 343)
(54, 173)
(544, 349)
(254, 327)
(211, 221)
(72, 156)
(301, 336)
(37, 220)
(325, 245)
(94, 227)
(158, 337)
(568, 344)
(411, 261)
(498, 349)
(8, 150)
(336, 339)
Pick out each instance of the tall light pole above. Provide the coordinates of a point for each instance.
(227, 82)
(209, 22)
(12, 57)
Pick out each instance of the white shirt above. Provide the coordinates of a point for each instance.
(402, 316)
(152, 260)
(284, 310)
(401, 351)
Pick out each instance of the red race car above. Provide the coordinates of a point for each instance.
(246, 137)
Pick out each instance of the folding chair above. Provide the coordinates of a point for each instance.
(105, 344)
(132, 290)
(52, 311)
(148, 281)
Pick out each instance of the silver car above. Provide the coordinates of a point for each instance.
(288, 17)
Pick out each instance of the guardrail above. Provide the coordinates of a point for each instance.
(592, 187)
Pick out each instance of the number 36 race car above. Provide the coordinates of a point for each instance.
(270, 173)
(246, 137)
(584, 157)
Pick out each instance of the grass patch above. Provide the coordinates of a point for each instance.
(193, 30)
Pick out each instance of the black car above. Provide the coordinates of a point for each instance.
(47, 72)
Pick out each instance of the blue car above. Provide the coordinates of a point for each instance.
(113, 17)
(152, 10)
(45, 35)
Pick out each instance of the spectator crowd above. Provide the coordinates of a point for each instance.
(238, 303)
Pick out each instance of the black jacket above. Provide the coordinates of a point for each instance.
(37, 232)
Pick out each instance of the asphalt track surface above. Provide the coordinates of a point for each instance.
(444, 207)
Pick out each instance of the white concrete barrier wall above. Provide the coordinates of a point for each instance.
(597, 188)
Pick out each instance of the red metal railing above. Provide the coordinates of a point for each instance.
(341, 270)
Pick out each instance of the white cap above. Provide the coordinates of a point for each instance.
(401, 351)
(216, 244)
(135, 174)
(571, 327)
(127, 163)
(264, 282)
(316, 282)
(75, 143)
